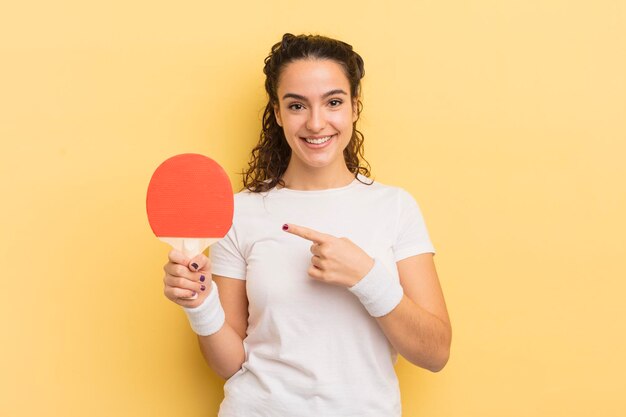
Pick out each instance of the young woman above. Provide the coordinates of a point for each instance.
(325, 275)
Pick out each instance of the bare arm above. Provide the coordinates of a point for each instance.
(223, 351)
(419, 327)
(185, 277)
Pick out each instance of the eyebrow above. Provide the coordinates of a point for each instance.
(330, 93)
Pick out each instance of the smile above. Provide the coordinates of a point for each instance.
(318, 141)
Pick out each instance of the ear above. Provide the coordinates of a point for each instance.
(277, 115)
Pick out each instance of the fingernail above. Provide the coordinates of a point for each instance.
(201, 278)
(195, 265)
(285, 227)
(194, 294)
(202, 287)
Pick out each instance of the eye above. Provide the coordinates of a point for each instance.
(296, 106)
(335, 102)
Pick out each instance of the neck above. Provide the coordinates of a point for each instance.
(310, 178)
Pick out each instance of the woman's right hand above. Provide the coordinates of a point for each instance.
(185, 277)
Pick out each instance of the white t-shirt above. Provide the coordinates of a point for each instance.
(311, 348)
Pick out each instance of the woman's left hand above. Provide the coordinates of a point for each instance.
(336, 260)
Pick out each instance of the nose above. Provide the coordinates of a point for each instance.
(316, 121)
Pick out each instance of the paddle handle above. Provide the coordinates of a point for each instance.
(190, 246)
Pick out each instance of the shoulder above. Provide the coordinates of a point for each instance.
(395, 201)
(382, 191)
(247, 196)
(248, 203)
(246, 200)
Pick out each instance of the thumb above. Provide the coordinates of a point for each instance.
(199, 263)
(177, 257)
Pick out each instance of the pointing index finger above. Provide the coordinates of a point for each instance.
(306, 233)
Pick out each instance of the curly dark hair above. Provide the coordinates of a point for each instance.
(271, 155)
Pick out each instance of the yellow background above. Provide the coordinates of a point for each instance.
(505, 119)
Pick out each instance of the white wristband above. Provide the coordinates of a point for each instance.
(378, 291)
(208, 317)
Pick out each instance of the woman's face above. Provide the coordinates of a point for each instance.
(315, 111)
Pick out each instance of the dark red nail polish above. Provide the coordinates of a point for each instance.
(202, 287)
(201, 278)
(285, 227)
(195, 266)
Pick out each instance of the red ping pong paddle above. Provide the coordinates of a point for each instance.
(190, 203)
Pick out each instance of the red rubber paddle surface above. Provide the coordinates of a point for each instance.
(190, 196)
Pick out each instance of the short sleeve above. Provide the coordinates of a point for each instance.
(411, 237)
(226, 258)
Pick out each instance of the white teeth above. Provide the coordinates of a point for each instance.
(318, 141)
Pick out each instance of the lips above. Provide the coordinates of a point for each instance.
(318, 141)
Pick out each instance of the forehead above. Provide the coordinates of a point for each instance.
(312, 77)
